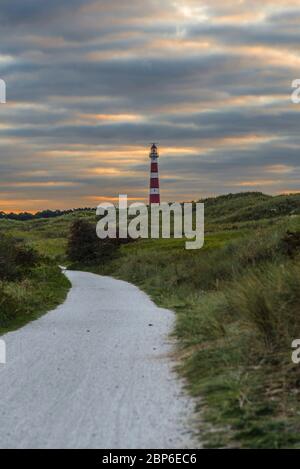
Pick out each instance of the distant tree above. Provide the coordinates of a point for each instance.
(85, 247)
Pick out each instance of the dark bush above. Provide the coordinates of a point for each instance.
(8, 265)
(85, 247)
(8, 307)
(16, 259)
(291, 243)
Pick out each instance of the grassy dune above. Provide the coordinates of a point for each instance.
(30, 284)
(237, 302)
(47, 235)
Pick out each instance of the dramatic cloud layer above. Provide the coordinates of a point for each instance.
(90, 83)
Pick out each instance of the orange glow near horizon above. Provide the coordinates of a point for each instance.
(210, 81)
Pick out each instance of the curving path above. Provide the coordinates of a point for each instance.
(94, 373)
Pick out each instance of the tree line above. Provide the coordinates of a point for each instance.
(24, 216)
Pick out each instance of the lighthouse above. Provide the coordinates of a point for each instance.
(154, 196)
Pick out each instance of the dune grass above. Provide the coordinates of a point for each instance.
(24, 301)
(237, 303)
(30, 284)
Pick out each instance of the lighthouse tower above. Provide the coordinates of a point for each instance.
(154, 197)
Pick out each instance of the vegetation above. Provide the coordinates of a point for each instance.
(24, 216)
(49, 236)
(85, 247)
(30, 284)
(237, 303)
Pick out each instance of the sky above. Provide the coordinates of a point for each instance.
(90, 83)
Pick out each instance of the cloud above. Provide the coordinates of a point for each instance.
(91, 82)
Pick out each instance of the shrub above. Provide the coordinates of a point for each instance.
(85, 247)
(8, 306)
(291, 243)
(15, 259)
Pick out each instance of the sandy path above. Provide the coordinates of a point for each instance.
(94, 374)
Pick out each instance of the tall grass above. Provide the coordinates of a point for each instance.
(237, 303)
(30, 284)
(268, 299)
(237, 306)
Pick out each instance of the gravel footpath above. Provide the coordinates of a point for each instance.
(96, 372)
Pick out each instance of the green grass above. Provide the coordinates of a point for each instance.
(251, 206)
(47, 236)
(237, 357)
(26, 300)
(237, 303)
(30, 283)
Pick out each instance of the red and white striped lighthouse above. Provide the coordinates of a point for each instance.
(154, 196)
